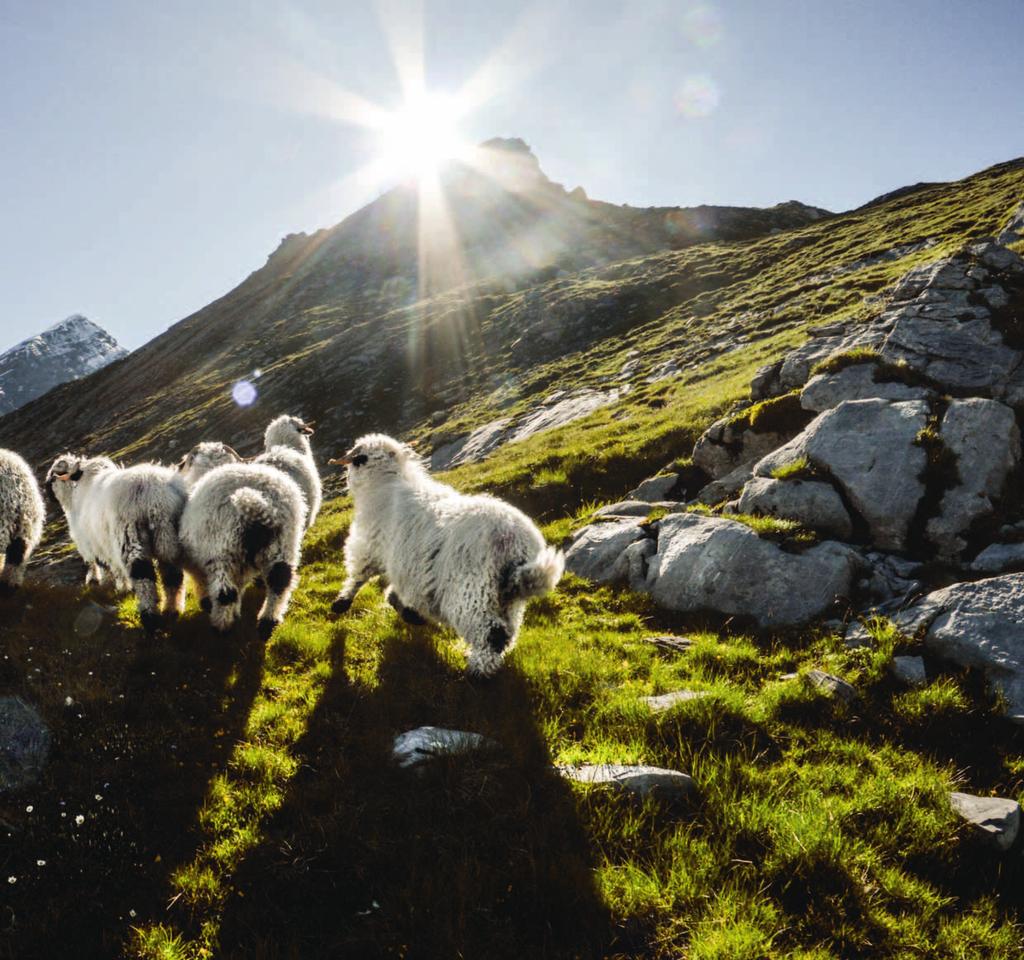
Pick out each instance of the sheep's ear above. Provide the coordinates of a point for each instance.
(307, 427)
(77, 475)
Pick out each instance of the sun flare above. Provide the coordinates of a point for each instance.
(421, 135)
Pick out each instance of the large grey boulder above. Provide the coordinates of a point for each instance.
(811, 502)
(598, 551)
(1014, 229)
(856, 382)
(24, 744)
(984, 437)
(867, 447)
(981, 625)
(994, 819)
(711, 563)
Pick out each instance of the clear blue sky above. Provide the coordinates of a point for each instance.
(152, 155)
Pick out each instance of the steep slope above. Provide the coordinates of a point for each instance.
(407, 290)
(68, 350)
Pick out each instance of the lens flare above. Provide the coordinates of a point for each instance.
(244, 393)
(702, 25)
(698, 97)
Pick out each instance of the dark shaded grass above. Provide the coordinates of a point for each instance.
(150, 721)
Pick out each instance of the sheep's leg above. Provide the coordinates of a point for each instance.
(225, 599)
(360, 568)
(409, 615)
(280, 581)
(142, 575)
(12, 575)
(488, 643)
(173, 580)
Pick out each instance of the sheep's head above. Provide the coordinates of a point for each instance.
(377, 456)
(203, 458)
(64, 472)
(287, 431)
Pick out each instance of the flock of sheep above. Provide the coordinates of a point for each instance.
(470, 562)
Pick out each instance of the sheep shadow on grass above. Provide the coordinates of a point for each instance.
(478, 856)
(140, 725)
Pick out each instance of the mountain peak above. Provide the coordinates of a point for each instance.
(67, 350)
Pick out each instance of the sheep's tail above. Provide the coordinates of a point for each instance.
(259, 520)
(538, 577)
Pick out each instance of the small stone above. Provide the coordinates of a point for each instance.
(672, 644)
(999, 557)
(654, 489)
(994, 819)
(909, 670)
(415, 747)
(643, 781)
(666, 701)
(832, 685)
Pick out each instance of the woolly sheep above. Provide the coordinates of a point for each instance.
(121, 519)
(286, 444)
(470, 562)
(242, 521)
(22, 513)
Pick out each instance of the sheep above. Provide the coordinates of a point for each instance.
(470, 562)
(121, 519)
(22, 513)
(242, 521)
(286, 443)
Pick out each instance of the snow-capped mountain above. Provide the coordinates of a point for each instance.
(68, 350)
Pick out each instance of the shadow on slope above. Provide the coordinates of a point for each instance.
(475, 856)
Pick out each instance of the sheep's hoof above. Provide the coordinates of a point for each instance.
(150, 622)
(266, 627)
(497, 639)
(341, 605)
(206, 604)
(412, 617)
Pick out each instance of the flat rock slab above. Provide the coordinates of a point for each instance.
(415, 747)
(642, 781)
(672, 644)
(994, 819)
(832, 685)
(998, 557)
(909, 670)
(24, 744)
(857, 382)
(666, 701)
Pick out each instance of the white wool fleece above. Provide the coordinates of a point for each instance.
(470, 562)
(22, 514)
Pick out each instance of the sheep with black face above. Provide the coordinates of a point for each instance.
(286, 447)
(21, 519)
(243, 521)
(469, 562)
(122, 519)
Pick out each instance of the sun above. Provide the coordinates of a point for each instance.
(422, 135)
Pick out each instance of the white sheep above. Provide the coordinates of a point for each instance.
(121, 519)
(242, 521)
(22, 513)
(470, 562)
(286, 446)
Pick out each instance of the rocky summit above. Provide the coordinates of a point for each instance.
(67, 351)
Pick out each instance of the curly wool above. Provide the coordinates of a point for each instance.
(242, 521)
(470, 562)
(286, 447)
(122, 519)
(22, 514)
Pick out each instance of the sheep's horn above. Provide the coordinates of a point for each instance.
(234, 451)
(340, 461)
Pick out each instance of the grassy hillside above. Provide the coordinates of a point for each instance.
(238, 800)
